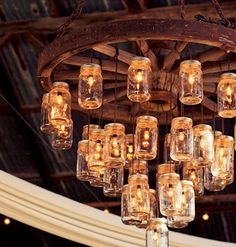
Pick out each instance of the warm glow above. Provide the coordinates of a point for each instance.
(205, 216)
(155, 236)
(139, 194)
(191, 79)
(170, 192)
(146, 135)
(192, 176)
(139, 77)
(7, 221)
(106, 210)
(181, 136)
(90, 82)
(59, 99)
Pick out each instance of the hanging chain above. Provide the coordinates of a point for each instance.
(75, 15)
(182, 9)
(201, 113)
(116, 72)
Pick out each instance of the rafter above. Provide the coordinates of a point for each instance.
(211, 105)
(213, 67)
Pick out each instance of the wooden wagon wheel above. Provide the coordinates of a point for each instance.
(100, 37)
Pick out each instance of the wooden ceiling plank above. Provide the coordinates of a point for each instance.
(209, 104)
(214, 67)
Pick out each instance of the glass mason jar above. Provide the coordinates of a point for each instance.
(181, 147)
(146, 136)
(59, 100)
(129, 143)
(226, 95)
(187, 212)
(138, 167)
(191, 82)
(203, 144)
(88, 129)
(62, 137)
(114, 144)
(97, 178)
(139, 200)
(157, 234)
(194, 173)
(211, 182)
(167, 158)
(82, 172)
(174, 222)
(45, 126)
(224, 156)
(169, 194)
(96, 150)
(113, 181)
(126, 217)
(139, 79)
(153, 209)
(90, 87)
(162, 169)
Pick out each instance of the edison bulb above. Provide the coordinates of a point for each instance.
(181, 136)
(90, 82)
(139, 76)
(155, 236)
(59, 99)
(191, 79)
(139, 193)
(192, 176)
(146, 135)
(170, 191)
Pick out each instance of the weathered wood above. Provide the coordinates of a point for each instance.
(173, 55)
(34, 40)
(213, 67)
(212, 54)
(210, 88)
(109, 50)
(105, 64)
(5, 39)
(211, 78)
(111, 96)
(211, 105)
(74, 75)
(110, 85)
(48, 25)
(143, 46)
(182, 30)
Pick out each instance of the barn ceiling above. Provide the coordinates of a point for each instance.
(25, 28)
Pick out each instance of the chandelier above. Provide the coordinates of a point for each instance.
(206, 155)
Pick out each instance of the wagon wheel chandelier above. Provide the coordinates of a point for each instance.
(153, 85)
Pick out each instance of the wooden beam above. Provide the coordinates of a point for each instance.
(212, 54)
(73, 75)
(5, 39)
(217, 198)
(209, 104)
(109, 50)
(211, 78)
(34, 40)
(49, 25)
(173, 55)
(111, 96)
(143, 46)
(211, 88)
(213, 67)
(105, 64)
(111, 85)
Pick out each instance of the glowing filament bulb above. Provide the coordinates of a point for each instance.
(139, 193)
(191, 79)
(228, 94)
(146, 135)
(59, 99)
(155, 235)
(139, 78)
(90, 82)
(130, 148)
(192, 176)
(221, 152)
(202, 144)
(115, 146)
(181, 136)
(170, 191)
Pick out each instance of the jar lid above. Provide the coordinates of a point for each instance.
(98, 131)
(170, 174)
(60, 83)
(170, 166)
(147, 118)
(140, 58)
(190, 62)
(216, 133)
(201, 128)
(137, 176)
(152, 191)
(158, 220)
(228, 76)
(181, 120)
(139, 162)
(90, 65)
(187, 182)
(92, 126)
(114, 126)
(226, 138)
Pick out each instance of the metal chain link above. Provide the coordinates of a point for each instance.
(74, 15)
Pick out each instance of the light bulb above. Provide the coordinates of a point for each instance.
(130, 148)
(139, 193)
(155, 236)
(170, 191)
(7, 221)
(139, 76)
(98, 147)
(90, 82)
(59, 99)
(191, 79)
(205, 216)
(192, 176)
(202, 144)
(181, 136)
(221, 152)
(146, 135)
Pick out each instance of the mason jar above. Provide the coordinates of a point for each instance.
(62, 137)
(211, 182)
(129, 143)
(96, 150)
(90, 87)
(82, 171)
(157, 234)
(98, 178)
(153, 209)
(203, 144)
(126, 217)
(169, 194)
(88, 129)
(45, 126)
(181, 148)
(59, 100)
(139, 79)
(176, 223)
(226, 95)
(194, 173)
(138, 167)
(191, 82)
(114, 144)
(167, 142)
(146, 136)
(113, 181)
(139, 200)
(224, 156)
